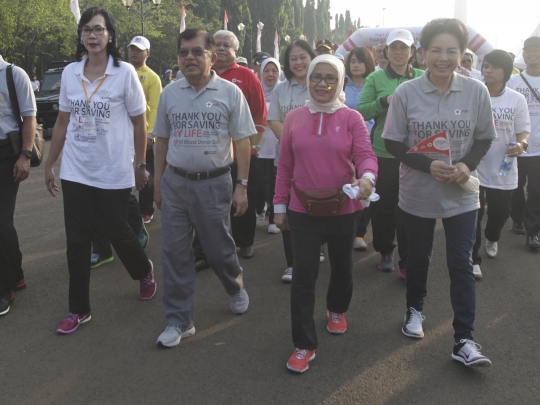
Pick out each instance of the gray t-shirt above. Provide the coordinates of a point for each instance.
(25, 96)
(286, 96)
(201, 126)
(419, 110)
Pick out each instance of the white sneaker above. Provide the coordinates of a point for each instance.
(322, 256)
(287, 275)
(412, 324)
(476, 271)
(172, 335)
(261, 219)
(491, 248)
(239, 302)
(468, 353)
(272, 228)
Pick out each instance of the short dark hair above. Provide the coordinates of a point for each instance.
(301, 44)
(451, 26)
(191, 33)
(501, 59)
(363, 55)
(110, 24)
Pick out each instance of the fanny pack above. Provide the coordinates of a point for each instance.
(323, 202)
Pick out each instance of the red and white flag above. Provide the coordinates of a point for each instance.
(276, 46)
(260, 26)
(435, 146)
(74, 4)
(183, 19)
(225, 20)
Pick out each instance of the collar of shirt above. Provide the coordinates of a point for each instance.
(213, 83)
(351, 83)
(409, 74)
(143, 68)
(455, 85)
(233, 66)
(110, 70)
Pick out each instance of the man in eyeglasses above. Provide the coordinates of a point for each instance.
(243, 227)
(381, 60)
(198, 119)
(468, 62)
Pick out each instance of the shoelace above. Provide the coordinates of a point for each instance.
(71, 317)
(475, 347)
(335, 317)
(415, 315)
(300, 354)
(147, 280)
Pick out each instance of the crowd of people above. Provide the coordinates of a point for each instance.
(319, 143)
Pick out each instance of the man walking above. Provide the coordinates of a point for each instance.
(14, 168)
(198, 119)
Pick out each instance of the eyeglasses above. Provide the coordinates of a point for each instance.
(196, 52)
(466, 61)
(225, 45)
(532, 49)
(96, 30)
(329, 79)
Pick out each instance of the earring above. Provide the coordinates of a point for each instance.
(81, 42)
(110, 40)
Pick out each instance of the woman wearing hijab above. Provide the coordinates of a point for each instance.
(323, 128)
(270, 77)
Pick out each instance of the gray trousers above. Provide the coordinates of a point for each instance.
(206, 205)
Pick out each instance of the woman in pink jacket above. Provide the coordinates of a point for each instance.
(319, 144)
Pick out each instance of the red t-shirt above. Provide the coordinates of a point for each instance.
(253, 91)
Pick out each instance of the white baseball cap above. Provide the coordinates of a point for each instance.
(140, 42)
(404, 36)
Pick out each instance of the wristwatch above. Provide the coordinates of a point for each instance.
(370, 180)
(243, 182)
(27, 153)
(256, 148)
(524, 145)
(140, 165)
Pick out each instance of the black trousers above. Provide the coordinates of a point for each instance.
(307, 233)
(362, 220)
(243, 228)
(101, 245)
(386, 218)
(498, 211)
(265, 187)
(10, 255)
(527, 212)
(83, 206)
(146, 195)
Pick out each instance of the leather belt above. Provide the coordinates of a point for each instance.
(201, 175)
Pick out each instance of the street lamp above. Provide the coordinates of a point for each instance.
(241, 27)
(141, 13)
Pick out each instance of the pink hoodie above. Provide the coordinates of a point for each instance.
(317, 150)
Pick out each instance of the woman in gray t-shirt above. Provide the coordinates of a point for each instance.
(430, 187)
(287, 96)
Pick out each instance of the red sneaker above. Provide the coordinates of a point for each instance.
(21, 285)
(72, 322)
(147, 218)
(336, 323)
(402, 274)
(148, 285)
(299, 361)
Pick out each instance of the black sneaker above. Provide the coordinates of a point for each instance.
(532, 242)
(468, 353)
(5, 303)
(21, 285)
(518, 228)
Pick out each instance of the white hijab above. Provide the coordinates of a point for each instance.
(339, 98)
(268, 89)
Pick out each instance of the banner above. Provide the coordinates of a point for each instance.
(260, 27)
(74, 4)
(434, 147)
(225, 20)
(276, 46)
(183, 20)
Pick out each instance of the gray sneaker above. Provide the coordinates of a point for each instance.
(287, 275)
(468, 353)
(386, 263)
(412, 324)
(239, 302)
(172, 335)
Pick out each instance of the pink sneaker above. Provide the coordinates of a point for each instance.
(402, 274)
(299, 361)
(70, 323)
(148, 285)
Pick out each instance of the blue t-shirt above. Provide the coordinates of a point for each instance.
(352, 98)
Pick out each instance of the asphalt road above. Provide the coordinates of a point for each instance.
(241, 359)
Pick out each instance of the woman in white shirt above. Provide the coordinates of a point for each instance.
(101, 125)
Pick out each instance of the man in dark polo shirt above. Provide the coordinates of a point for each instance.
(243, 228)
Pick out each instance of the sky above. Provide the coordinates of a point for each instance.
(505, 24)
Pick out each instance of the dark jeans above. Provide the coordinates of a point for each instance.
(460, 235)
(10, 254)
(386, 218)
(146, 195)
(307, 233)
(101, 244)
(83, 206)
(243, 228)
(498, 211)
(527, 212)
(265, 187)
(363, 219)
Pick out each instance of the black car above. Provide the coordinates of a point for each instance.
(48, 95)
